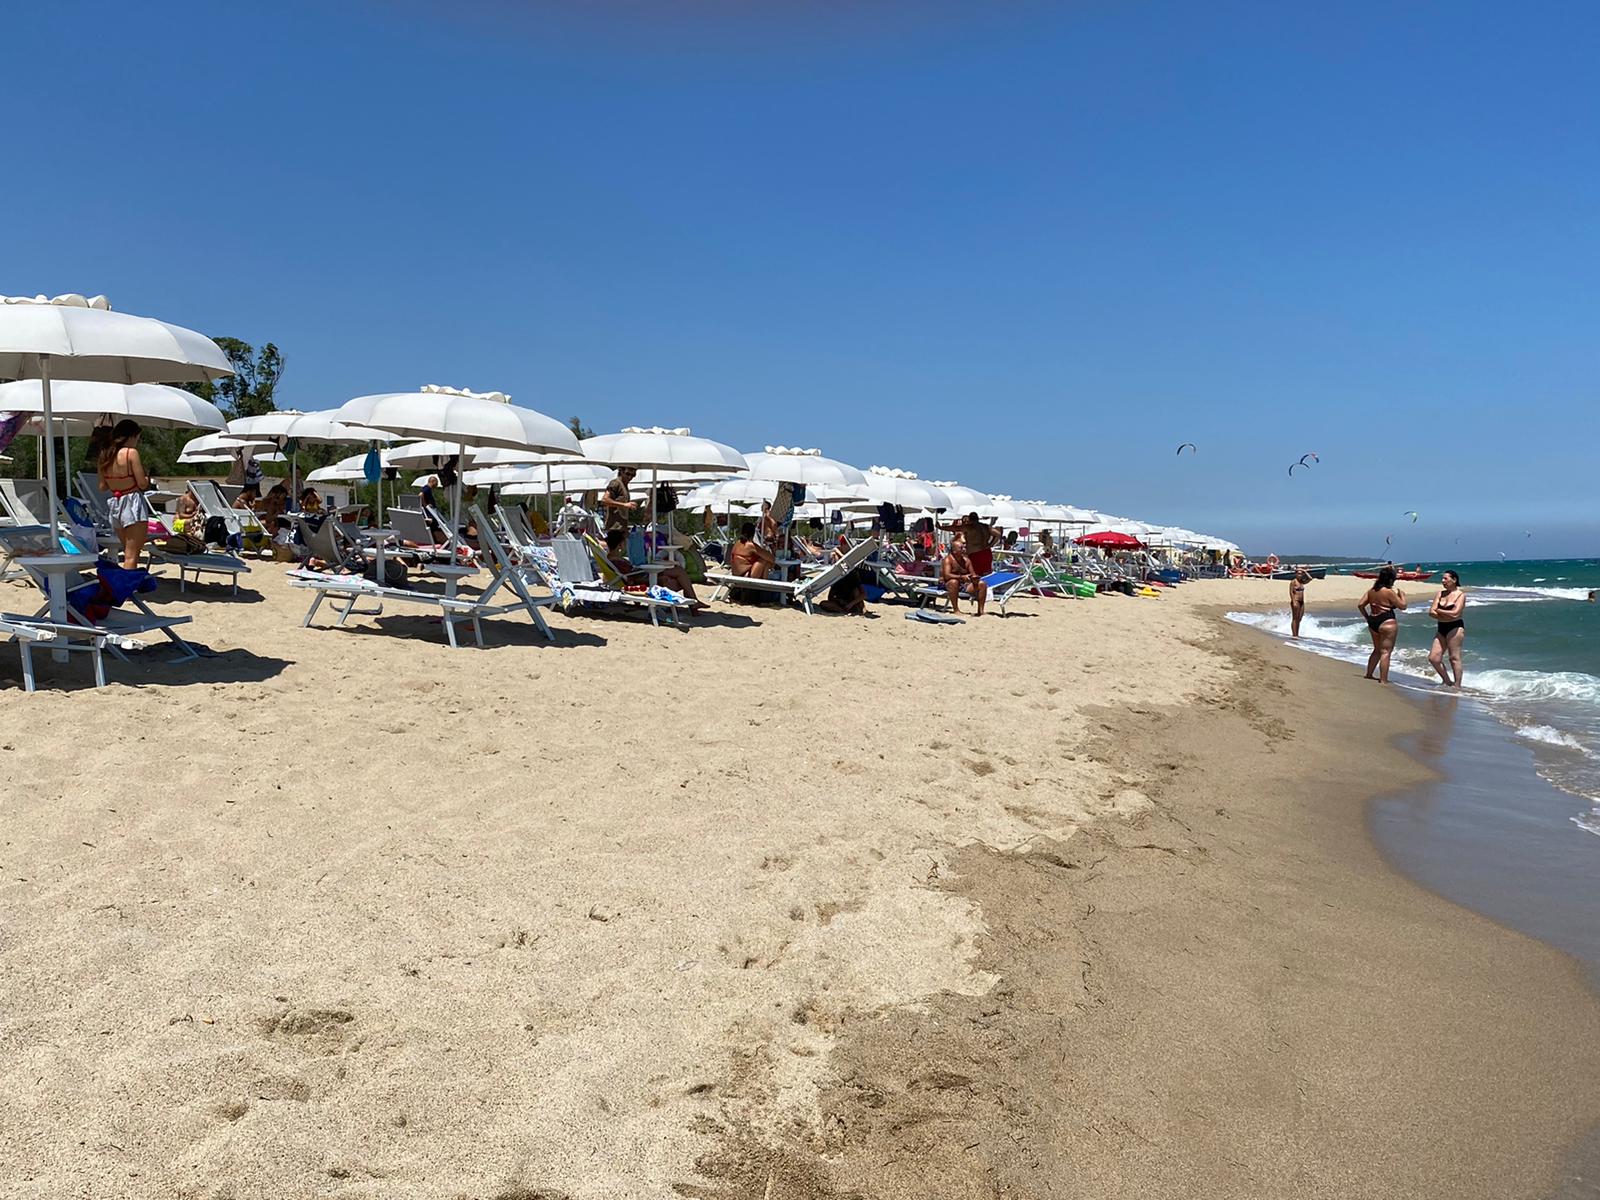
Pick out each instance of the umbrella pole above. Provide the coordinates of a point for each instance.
(50, 476)
(58, 594)
(549, 503)
(455, 516)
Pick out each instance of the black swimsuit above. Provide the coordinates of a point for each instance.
(1446, 628)
(1381, 616)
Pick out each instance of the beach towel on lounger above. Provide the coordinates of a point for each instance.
(112, 588)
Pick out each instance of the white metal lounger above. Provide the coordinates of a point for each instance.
(346, 591)
(804, 592)
(515, 577)
(575, 569)
(119, 627)
(213, 504)
(28, 631)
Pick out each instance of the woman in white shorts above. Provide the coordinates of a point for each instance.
(123, 479)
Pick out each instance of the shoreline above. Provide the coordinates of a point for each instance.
(953, 1099)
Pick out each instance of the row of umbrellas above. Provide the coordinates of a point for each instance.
(79, 363)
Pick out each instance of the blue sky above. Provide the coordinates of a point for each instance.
(1030, 249)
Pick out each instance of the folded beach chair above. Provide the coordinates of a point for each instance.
(324, 541)
(805, 592)
(577, 572)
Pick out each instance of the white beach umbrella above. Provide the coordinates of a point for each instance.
(431, 453)
(789, 464)
(889, 485)
(152, 405)
(263, 454)
(213, 447)
(346, 470)
(462, 417)
(72, 337)
(558, 480)
(669, 454)
(963, 500)
(288, 427)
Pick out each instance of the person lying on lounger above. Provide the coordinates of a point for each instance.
(672, 576)
(959, 575)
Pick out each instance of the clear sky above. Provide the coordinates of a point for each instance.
(1029, 246)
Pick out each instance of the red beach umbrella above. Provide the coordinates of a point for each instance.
(1110, 539)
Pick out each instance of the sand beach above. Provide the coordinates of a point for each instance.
(1078, 902)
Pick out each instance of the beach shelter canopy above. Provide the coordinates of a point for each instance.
(73, 337)
(215, 447)
(289, 425)
(786, 464)
(887, 485)
(429, 454)
(573, 477)
(664, 450)
(461, 418)
(1110, 539)
(84, 339)
(963, 500)
(153, 405)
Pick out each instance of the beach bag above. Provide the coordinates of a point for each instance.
(394, 573)
(666, 499)
(216, 531)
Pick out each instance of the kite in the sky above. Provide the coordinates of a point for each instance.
(1292, 466)
(1312, 455)
(1412, 513)
(1187, 446)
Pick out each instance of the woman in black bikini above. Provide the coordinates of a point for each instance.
(1447, 609)
(1381, 605)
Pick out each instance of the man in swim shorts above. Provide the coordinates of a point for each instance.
(979, 540)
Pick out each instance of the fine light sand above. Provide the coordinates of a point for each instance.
(1070, 903)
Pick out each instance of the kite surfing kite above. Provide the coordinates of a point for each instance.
(1312, 455)
(1189, 446)
(1412, 513)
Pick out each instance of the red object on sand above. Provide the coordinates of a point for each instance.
(1109, 539)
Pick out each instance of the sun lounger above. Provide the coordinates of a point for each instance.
(344, 592)
(515, 577)
(1004, 586)
(118, 628)
(240, 521)
(576, 570)
(413, 528)
(29, 632)
(804, 592)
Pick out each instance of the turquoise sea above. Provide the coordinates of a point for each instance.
(1532, 661)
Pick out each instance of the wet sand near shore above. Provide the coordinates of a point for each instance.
(1077, 902)
(1227, 995)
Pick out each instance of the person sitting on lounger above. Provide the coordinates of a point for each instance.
(189, 510)
(248, 498)
(959, 575)
(310, 503)
(670, 576)
(749, 557)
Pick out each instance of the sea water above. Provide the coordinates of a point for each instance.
(1531, 661)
